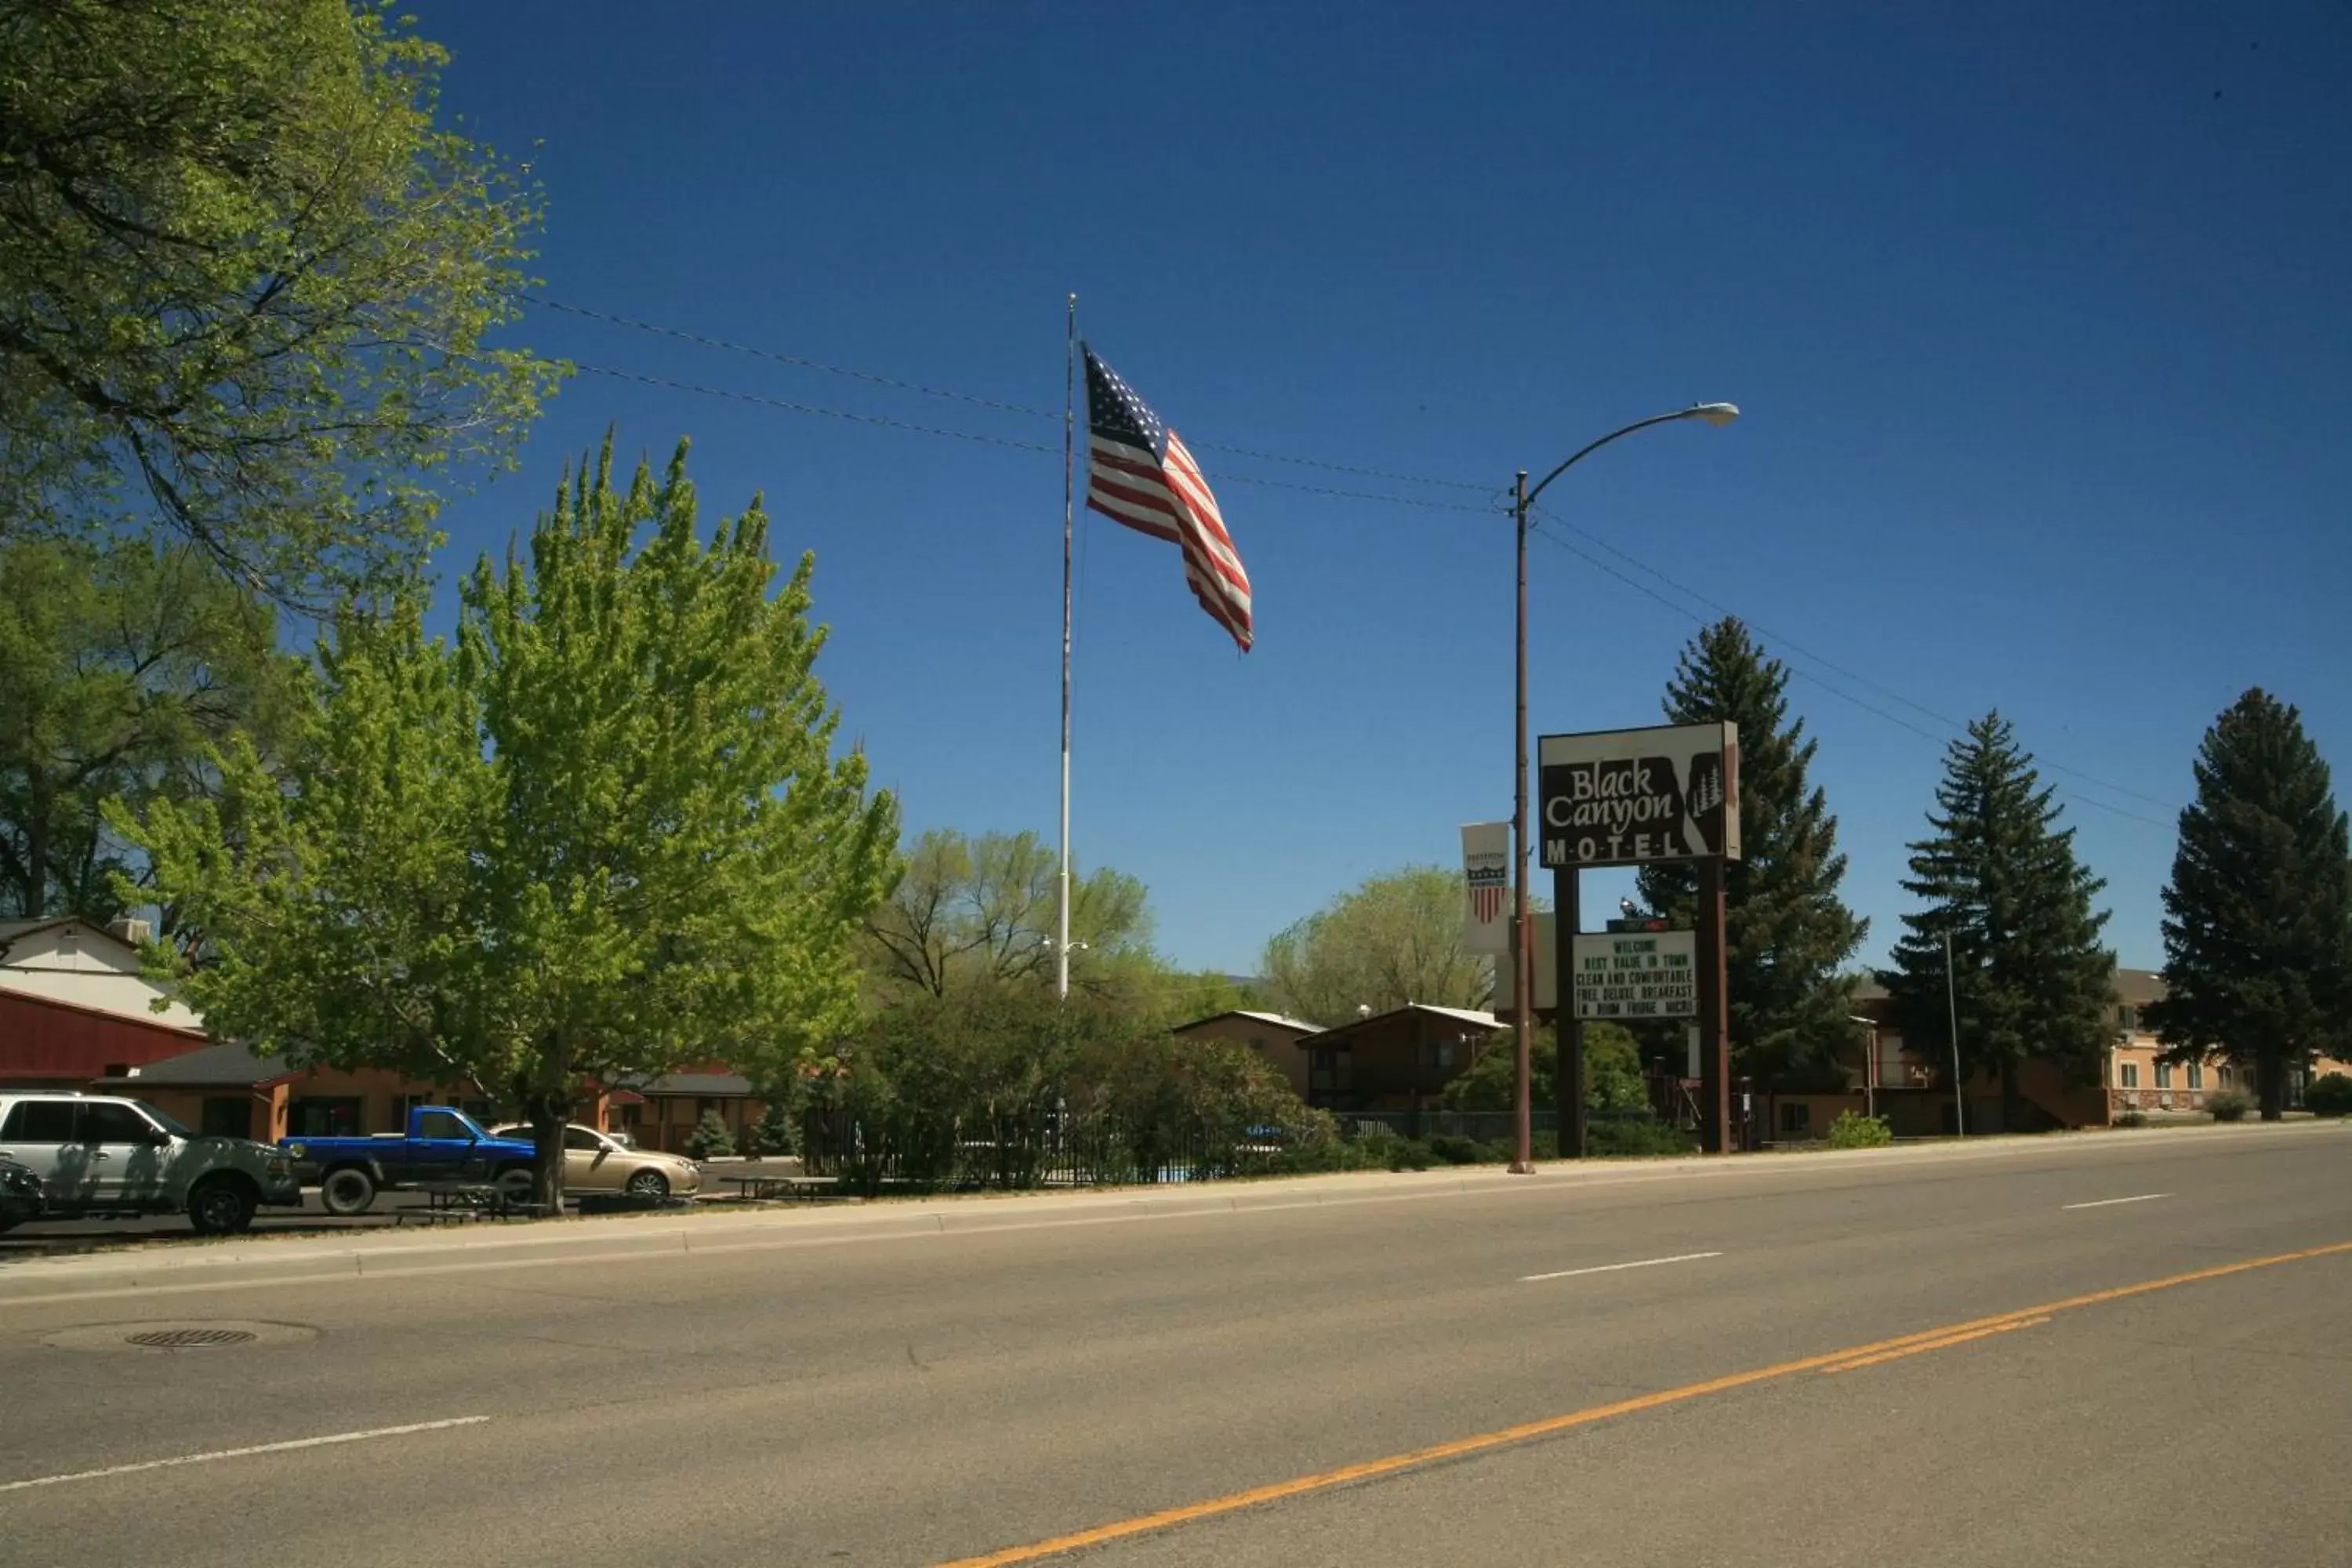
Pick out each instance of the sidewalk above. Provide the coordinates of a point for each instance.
(173, 1268)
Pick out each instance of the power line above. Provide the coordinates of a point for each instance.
(1855, 676)
(1688, 613)
(1492, 506)
(802, 362)
(788, 406)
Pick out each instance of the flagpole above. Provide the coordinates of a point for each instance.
(1069, 427)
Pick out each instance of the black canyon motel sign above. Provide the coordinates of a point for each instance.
(1622, 797)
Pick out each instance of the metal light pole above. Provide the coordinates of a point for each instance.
(1869, 1063)
(1952, 1001)
(1523, 931)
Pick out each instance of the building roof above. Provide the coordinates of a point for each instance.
(221, 1066)
(716, 1085)
(1459, 1014)
(1467, 1015)
(1275, 1020)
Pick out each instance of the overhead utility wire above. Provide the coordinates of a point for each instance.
(1895, 719)
(803, 362)
(1856, 677)
(1223, 475)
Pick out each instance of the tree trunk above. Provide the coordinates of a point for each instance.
(38, 795)
(2269, 1074)
(549, 1106)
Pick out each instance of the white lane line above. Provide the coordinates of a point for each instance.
(2105, 1202)
(247, 1453)
(1614, 1268)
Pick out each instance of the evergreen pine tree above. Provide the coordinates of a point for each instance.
(2258, 915)
(1787, 930)
(2000, 877)
(712, 1137)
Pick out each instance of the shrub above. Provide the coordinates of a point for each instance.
(2228, 1104)
(712, 1137)
(2328, 1095)
(1635, 1137)
(774, 1133)
(1453, 1149)
(2130, 1119)
(1852, 1131)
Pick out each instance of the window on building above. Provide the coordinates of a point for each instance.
(317, 1116)
(1445, 1053)
(1796, 1119)
(2196, 1075)
(2128, 1075)
(2164, 1075)
(2128, 1016)
(225, 1116)
(2228, 1075)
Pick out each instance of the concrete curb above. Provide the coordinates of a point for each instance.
(172, 1267)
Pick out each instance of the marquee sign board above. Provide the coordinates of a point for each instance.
(1631, 797)
(1649, 975)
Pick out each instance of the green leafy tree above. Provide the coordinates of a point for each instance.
(1612, 1072)
(984, 910)
(1394, 940)
(245, 284)
(1998, 877)
(602, 838)
(1788, 934)
(2258, 914)
(124, 663)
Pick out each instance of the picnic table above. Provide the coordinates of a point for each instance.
(765, 1187)
(459, 1203)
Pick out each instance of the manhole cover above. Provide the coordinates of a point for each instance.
(190, 1339)
(157, 1337)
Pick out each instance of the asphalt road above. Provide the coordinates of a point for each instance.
(2161, 1379)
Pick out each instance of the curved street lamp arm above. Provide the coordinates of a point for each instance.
(1613, 435)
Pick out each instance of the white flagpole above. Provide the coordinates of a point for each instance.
(1070, 428)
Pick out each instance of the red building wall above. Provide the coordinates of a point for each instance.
(46, 1043)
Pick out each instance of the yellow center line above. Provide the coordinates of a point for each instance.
(1884, 1356)
(1903, 1344)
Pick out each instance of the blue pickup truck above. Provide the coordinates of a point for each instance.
(440, 1145)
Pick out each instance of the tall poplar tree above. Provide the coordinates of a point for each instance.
(2258, 915)
(2032, 981)
(1788, 932)
(602, 838)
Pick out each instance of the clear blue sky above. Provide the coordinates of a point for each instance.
(2039, 316)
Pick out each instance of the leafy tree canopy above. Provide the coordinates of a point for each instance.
(124, 663)
(247, 283)
(603, 836)
(1394, 940)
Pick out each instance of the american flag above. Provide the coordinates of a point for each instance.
(1487, 892)
(1141, 475)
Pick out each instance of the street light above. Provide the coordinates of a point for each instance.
(1522, 943)
(1869, 1063)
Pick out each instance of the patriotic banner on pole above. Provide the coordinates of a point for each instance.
(1486, 887)
(1141, 473)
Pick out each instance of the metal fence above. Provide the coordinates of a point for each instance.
(911, 1150)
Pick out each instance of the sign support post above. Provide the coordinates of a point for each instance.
(1568, 1028)
(1714, 1009)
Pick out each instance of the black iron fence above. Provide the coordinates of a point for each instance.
(914, 1151)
